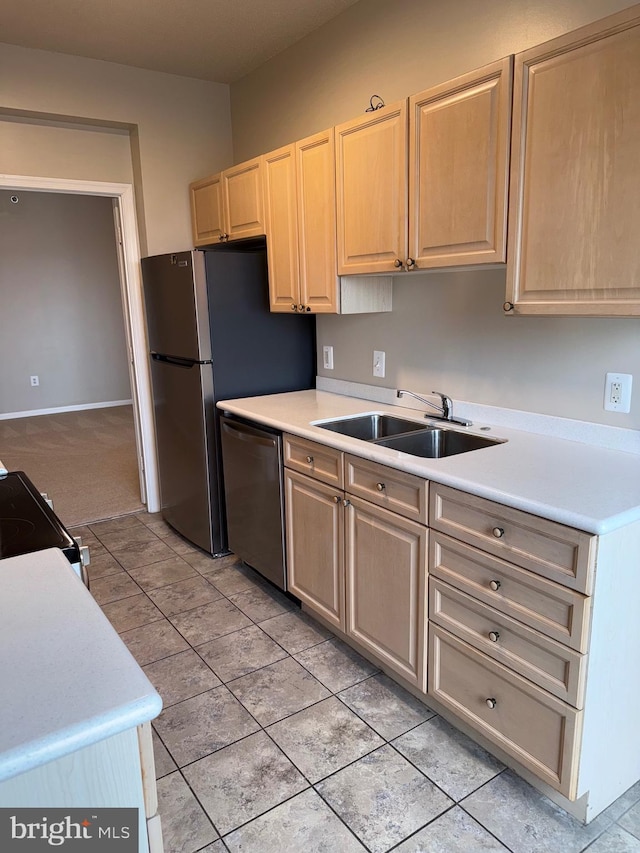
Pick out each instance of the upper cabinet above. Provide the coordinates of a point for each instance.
(371, 189)
(427, 188)
(228, 206)
(575, 176)
(458, 170)
(300, 212)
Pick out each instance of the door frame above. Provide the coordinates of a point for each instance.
(133, 311)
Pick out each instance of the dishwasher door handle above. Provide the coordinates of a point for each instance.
(249, 436)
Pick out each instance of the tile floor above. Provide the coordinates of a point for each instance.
(275, 737)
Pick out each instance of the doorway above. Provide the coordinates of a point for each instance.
(132, 305)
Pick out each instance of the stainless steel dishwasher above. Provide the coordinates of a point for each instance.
(254, 496)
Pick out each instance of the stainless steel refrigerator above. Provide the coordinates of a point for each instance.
(212, 337)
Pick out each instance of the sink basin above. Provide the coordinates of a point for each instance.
(436, 443)
(372, 426)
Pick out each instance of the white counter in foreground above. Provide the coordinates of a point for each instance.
(580, 485)
(68, 680)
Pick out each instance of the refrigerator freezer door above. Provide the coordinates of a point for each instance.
(176, 305)
(184, 417)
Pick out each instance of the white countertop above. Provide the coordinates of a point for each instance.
(68, 680)
(581, 485)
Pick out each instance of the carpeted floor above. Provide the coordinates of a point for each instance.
(85, 461)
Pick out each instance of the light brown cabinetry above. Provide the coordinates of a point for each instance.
(358, 565)
(228, 206)
(426, 187)
(575, 182)
(459, 136)
(509, 629)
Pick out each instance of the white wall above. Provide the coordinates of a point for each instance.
(447, 330)
(60, 305)
(178, 129)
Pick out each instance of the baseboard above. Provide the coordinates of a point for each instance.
(59, 409)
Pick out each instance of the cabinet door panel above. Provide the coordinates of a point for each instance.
(317, 223)
(575, 181)
(207, 219)
(371, 182)
(458, 167)
(315, 545)
(242, 187)
(281, 223)
(386, 567)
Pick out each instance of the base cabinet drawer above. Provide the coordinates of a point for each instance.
(551, 665)
(316, 460)
(395, 490)
(538, 730)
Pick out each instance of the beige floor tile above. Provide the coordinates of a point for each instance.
(448, 757)
(324, 738)
(184, 595)
(205, 623)
(163, 762)
(102, 565)
(113, 587)
(162, 573)
(452, 832)
(615, 840)
(154, 642)
(201, 725)
(631, 820)
(240, 653)
(262, 603)
(336, 664)
(304, 824)
(132, 612)
(295, 631)
(180, 677)
(233, 579)
(383, 798)
(185, 826)
(277, 690)
(143, 553)
(385, 706)
(244, 780)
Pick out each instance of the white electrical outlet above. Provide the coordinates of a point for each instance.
(378, 363)
(327, 358)
(617, 392)
(35, 381)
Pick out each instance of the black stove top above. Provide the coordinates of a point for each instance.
(27, 522)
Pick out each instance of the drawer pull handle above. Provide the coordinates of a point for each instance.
(380, 487)
(491, 703)
(495, 585)
(310, 459)
(494, 636)
(498, 532)
(346, 503)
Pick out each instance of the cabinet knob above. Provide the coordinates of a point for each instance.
(397, 263)
(294, 307)
(309, 459)
(346, 502)
(410, 263)
(507, 306)
(495, 585)
(300, 307)
(380, 487)
(491, 703)
(498, 532)
(494, 636)
(307, 308)
(336, 499)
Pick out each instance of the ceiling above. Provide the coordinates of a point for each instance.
(218, 40)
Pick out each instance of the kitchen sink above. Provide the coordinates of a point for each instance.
(436, 443)
(371, 427)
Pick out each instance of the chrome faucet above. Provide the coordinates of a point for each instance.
(445, 408)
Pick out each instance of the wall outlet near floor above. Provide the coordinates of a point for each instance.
(327, 358)
(35, 381)
(617, 392)
(378, 363)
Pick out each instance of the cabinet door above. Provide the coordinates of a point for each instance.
(458, 168)
(315, 545)
(207, 219)
(575, 182)
(281, 223)
(386, 569)
(242, 188)
(371, 189)
(317, 223)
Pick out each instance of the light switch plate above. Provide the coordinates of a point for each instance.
(327, 358)
(378, 363)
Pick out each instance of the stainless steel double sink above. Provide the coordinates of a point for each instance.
(416, 439)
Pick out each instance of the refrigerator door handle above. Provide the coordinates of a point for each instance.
(176, 360)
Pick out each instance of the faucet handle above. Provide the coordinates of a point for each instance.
(447, 404)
